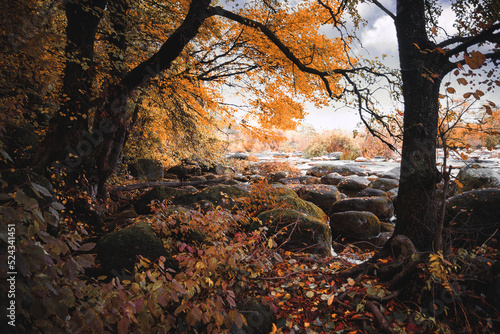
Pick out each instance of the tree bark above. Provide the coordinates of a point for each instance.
(421, 71)
(68, 127)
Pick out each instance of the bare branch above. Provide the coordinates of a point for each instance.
(385, 10)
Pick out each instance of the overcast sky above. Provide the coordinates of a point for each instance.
(378, 37)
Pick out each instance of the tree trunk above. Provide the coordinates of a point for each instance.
(64, 140)
(421, 70)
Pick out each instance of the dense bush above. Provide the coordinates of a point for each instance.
(334, 141)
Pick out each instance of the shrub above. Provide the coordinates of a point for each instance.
(333, 141)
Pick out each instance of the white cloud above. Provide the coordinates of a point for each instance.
(381, 37)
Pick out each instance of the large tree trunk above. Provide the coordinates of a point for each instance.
(421, 70)
(64, 140)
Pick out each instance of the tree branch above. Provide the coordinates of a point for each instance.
(484, 36)
(385, 10)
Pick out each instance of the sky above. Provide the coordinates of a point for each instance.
(378, 37)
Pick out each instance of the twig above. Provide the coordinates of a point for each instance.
(374, 308)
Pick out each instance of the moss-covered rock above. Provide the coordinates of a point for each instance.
(118, 251)
(259, 316)
(321, 195)
(355, 225)
(223, 195)
(148, 169)
(159, 193)
(310, 234)
(380, 206)
(303, 206)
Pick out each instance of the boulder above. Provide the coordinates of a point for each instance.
(276, 176)
(392, 174)
(351, 185)
(223, 195)
(320, 194)
(159, 193)
(369, 192)
(324, 169)
(123, 218)
(184, 170)
(309, 234)
(384, 184)
(303, 206)
(332, 179)
(238, 156)
(148, 169)
(380, 206)
(355, 225)
(259, 318)
(475, 213)
(118, 251)
(306, 179)
(476, 177)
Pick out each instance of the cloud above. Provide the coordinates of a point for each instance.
(381, 36)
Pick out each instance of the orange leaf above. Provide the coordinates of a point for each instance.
(475, 60)
(462, 81)
(450, 90)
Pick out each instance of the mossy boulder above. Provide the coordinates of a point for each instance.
(148, 169)
(303, 206)
(310, 234)
(477, 177)
(475, 213)
(118, 251)
(223, 195)
(355, 225)
(321, 195)
(380, 206)
(159, 193)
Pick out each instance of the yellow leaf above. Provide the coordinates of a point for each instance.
(274, 329)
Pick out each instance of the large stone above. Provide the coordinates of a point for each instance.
(320, 194)
(148, 169)
(223, 195)
(369, 192)
(477, 177)
(392, 174)
(332, 179)
(307, 232)
(380, 206)
(118, 251)
(303, 206)
(259, 317)
(351, 185)
(384, 184)
(158, 193)
(306, 179)
(355, 225)
(277, 176)
(475, 213)
(324, 169)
